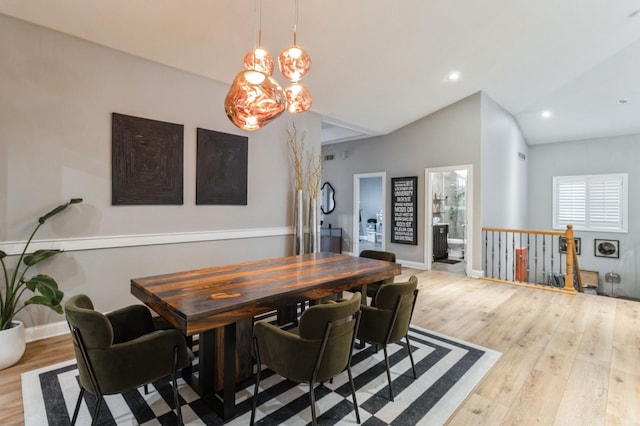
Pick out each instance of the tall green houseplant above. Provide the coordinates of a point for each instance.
(16, 283)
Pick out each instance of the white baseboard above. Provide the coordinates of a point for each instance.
(40, 332)
(476, 273)
(409, 264)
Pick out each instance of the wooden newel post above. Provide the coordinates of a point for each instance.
(571, 250)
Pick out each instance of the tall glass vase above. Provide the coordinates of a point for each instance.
(314, 233)
(298, 225)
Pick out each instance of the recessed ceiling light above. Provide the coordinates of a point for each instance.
(624, 101)
(546, 113)
(453, 76)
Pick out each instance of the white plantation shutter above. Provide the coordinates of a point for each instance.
(605, 202)
(590, 203)
(572, 202)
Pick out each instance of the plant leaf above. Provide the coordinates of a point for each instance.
(58, 209)
(50, 295)
(40, 255)
(41, 300)
(2, 254)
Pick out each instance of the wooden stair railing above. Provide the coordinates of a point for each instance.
(536, 261)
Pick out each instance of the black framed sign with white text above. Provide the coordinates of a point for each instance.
(404, 210)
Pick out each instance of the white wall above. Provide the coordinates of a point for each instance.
(504, 175)
(57, 96)
(447, 137)
(594, 156)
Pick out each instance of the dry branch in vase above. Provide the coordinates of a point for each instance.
(296, 149)
(315, 174)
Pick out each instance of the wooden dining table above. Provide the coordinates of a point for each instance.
(220, 302)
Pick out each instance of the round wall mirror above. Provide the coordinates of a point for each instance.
(327, 198)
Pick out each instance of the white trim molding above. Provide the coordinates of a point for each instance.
(93, 243)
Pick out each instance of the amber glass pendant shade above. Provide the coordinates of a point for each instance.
(298, 98)
(260, 60)
(253, 100)
(294, 63)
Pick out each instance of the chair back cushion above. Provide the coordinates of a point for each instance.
(387, 256)
(294, 355)
(95, 331)
(94, 326)
(126, 363)
(376, 321)
(379, 255)
(313, 324)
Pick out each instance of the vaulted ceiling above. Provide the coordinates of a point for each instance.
(381, 64)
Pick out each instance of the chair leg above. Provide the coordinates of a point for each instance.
(413, 366)
(254, 405)
(174, 380)
(96, 410)
(77, 409)
(353, 393)
(312, 397)
(386, 362)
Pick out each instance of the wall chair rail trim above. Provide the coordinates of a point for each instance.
(116, 241)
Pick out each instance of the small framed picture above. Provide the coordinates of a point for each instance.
(607, 248)
(563, 245)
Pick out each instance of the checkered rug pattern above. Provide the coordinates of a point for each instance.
(448, 369)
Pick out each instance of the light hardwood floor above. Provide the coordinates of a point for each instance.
(566, 360)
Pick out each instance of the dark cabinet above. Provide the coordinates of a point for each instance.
(331, 240)
(440, 245)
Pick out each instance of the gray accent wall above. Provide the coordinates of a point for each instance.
(57, 95)
(588, 157)
(448, 137)
(504, 174)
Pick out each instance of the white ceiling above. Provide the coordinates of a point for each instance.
(381, 64)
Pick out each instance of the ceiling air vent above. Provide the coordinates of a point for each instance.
(329, 157)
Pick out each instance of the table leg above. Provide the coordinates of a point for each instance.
(224, 402)
(287, 314)
(229, 374)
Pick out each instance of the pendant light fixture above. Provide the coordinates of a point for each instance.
(298, 98)
(294, 63)
(255, 98)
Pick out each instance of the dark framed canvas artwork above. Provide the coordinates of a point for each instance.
(146, 161)
(221, 176)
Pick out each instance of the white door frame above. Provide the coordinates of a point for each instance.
(428, 216)
(355, 238)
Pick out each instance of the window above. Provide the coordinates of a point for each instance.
(591, 203)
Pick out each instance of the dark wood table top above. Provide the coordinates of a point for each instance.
(203, 299)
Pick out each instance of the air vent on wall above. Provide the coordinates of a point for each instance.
(328, 157)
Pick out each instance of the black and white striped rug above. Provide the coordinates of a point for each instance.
(448, 369)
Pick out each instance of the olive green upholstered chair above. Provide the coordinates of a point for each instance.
(389, 319)
(316, 351)
(122, 350)
(387, 256)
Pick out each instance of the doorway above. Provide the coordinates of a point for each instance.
(369, 195)
(447, 218)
